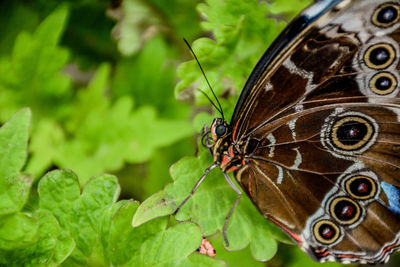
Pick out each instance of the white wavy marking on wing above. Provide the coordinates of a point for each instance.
(272, 140)
(305, 74)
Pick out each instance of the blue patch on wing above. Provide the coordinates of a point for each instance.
(319, 8)
(393, 194)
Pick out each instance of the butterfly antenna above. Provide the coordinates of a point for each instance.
(205, 77)
(209, 99)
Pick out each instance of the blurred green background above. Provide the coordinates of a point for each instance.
(113, 88)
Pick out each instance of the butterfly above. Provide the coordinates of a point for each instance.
(314, 139)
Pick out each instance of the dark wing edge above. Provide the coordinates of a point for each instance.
(296, 28)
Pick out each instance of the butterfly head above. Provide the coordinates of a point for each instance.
(219, 141)
(219, 129)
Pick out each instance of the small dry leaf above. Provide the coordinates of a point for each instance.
(206, 248)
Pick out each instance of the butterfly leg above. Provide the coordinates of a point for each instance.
(195, 187)
(239, 193)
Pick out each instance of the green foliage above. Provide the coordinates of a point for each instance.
(87, 228)
(14, 186)
(31, 74)
(84, 130)
(99, 78)
(209, 206)
(242, 31)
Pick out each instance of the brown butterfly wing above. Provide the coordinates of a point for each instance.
(321, 136)
(305, 178)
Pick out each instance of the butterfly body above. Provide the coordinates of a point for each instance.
(315, 136)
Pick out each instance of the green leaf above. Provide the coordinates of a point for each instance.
(170, 247)
(64, 247)
(122, 240)
(209, 206)
(99, 193)
(157, 205)
(106, 222)
(17, 230)
(49, 246)
(91, 100)
(14, 187)
(13, 144)
(44, 146)
(79, 214)
(31, 75)
(249, 227)
(58, 192)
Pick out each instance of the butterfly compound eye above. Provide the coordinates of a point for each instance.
(220, 130)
